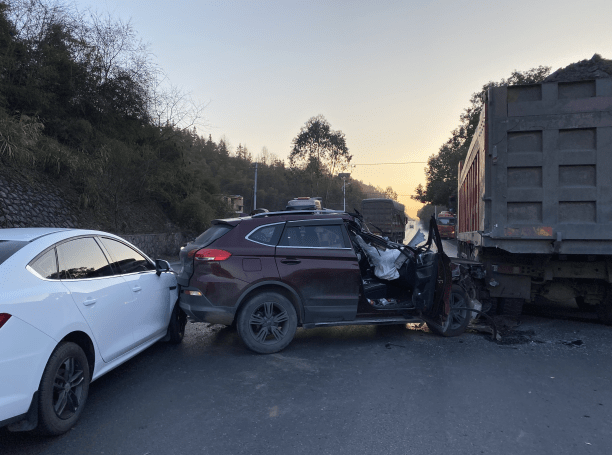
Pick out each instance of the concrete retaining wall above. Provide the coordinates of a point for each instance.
(33, 204)
(158, 246)
(39, 204)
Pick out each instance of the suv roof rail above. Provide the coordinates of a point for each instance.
(298, 212)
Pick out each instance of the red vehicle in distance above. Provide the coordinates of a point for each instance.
(447, 224)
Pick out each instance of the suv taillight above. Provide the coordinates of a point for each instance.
(211, 254)
(3, 318)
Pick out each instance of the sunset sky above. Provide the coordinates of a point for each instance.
(394, 76)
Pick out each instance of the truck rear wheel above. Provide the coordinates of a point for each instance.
(490, 306)
(604, 313)
(510, 307)
(582, 303)
(604, 309)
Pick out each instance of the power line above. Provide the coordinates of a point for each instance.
(376, 192)
(378, 164)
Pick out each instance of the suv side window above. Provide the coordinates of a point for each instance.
(125, 259)
(46, 265)
(82, 258)
(267, 235)
(313, 236)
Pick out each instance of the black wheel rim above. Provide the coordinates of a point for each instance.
(68, 388)
(456, 317)
(268, 323)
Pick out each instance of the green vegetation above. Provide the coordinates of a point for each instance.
(320, 151)
(81, 101)
(442, 168)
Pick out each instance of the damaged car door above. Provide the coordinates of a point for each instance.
(423, 271)
(315, 257)
(435, 272)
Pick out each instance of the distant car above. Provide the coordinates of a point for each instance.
(259, 210)
(74, 305)
(304, 203)
(273, 272)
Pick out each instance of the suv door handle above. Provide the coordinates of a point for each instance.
(290, 261)
(89, 301)
(136, 288)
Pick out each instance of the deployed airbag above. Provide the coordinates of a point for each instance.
(382, 261)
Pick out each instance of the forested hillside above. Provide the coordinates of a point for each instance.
(83, 104)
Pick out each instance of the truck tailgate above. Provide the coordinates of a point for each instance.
(538, 175)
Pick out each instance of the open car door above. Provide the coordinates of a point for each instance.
(433, 279)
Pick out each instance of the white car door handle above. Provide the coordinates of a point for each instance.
(89, 301)
(136, 288)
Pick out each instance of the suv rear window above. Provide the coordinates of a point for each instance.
(213, 233)
(267, 235)
(9, 247)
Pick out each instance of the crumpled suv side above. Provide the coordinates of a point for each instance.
(273, 272)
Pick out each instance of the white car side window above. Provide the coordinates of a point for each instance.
(46, 265)
(82, 258)
(125, 259)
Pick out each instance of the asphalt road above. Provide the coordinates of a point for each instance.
(545, 389)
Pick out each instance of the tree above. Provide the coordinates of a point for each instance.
(168, 105)
(442, 168)
(224, 147)
(388, 193)
(265, 157)
(320, 151)
(243, 153)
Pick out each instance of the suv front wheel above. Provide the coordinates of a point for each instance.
(267, 323)
(459, 317)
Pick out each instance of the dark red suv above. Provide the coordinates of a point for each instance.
(272, 272)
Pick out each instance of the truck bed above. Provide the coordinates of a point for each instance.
(538, 175)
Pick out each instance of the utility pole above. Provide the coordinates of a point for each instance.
(344, 176)
(255, 189)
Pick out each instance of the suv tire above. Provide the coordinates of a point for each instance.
(267, 323)
(459, 316)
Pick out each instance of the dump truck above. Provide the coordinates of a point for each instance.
(446, 223)
(385, 217)
(535, 195)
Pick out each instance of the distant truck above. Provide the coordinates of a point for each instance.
(446, 222)
(385, 217)
(535, 198)
(304, 203)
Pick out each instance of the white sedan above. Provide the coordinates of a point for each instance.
(74, 304)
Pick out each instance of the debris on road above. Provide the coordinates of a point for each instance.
(573, 343)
